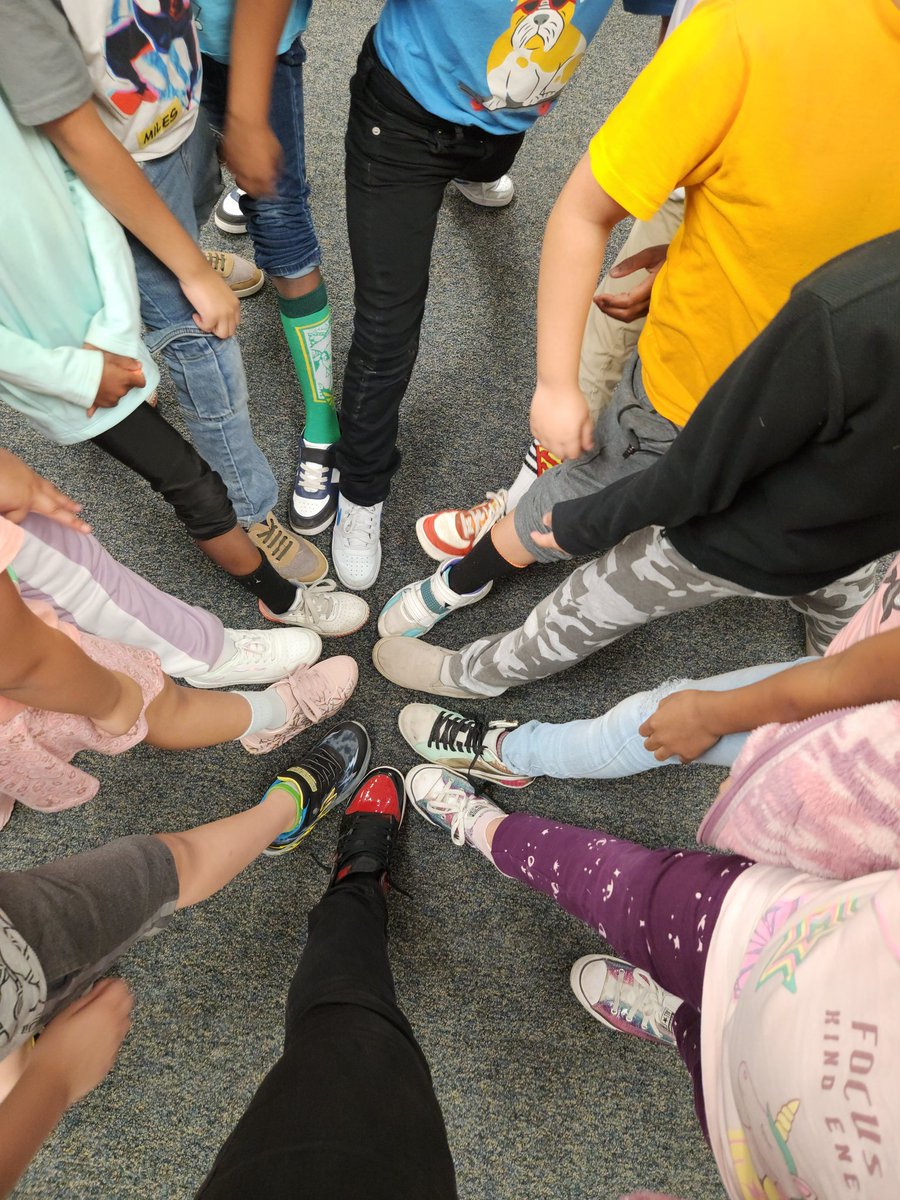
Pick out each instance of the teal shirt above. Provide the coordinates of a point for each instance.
(214, 19)
(66, 278)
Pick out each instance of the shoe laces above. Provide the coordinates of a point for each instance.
(360, 524)
(277, 541)
(315, 599)
(313, 476)
(313, 696)
(639, 995)
(473, 520)
(218, 260)
(252, 650)
(448, 799)
(464, 733)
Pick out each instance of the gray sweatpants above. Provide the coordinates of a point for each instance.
(641, 579)
(629, 435)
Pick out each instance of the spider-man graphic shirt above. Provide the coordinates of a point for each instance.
(144, 62)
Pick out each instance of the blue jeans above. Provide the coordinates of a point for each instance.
(208, 372)
(284, 239)
(610, 746)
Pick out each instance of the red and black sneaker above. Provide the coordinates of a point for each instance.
(369, 825)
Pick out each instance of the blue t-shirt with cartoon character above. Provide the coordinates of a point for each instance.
(498, 64)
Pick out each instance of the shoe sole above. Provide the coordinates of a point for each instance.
(250, 289)
(229, 226)
(287, 625)
(575, 983)
(323, 812)
(309, 530)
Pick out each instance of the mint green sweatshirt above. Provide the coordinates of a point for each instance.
(66, 277)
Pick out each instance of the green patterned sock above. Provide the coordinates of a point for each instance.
(307, 327)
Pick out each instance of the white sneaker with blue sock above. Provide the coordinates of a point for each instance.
(419, 606)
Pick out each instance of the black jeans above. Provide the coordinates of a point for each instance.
(348, 1112)
(150, 446)
(399, 160)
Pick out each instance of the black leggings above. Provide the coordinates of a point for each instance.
(149, 445)
(348, 1111)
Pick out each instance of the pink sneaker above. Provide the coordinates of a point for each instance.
(454, 531)
(310, 694)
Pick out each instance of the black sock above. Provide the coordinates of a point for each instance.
(482, 564)
(276, 592)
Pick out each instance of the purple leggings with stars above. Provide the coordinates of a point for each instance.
(656, 908)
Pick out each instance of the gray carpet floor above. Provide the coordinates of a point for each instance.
(539, 1100)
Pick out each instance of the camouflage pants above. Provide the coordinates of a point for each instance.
(641, 579)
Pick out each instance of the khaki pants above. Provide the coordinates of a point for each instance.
(608, 344)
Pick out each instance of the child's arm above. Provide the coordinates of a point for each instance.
(109, 171)
(252, 150)
(571, 259)
(687, 723)
(42, 668)
(74, 1054)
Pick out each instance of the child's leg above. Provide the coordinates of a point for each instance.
(149, 445)
(208, 372)
(827, 610)
(610, 746)
(87, 586)
(208, 857)
(185, 719)
(640, 580)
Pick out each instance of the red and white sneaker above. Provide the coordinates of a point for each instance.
(453, 532)
(370, 825)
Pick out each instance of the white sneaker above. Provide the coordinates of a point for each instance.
(489, 195)
(260, 656)
(319, 606)
(448, 801)
(419, 606)
(356, 544)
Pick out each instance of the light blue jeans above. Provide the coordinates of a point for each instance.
(208, 372)
(610, 746)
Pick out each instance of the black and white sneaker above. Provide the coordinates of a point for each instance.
(315, 496)
(229, 216)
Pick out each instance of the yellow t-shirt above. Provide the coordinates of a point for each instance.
(780, 119)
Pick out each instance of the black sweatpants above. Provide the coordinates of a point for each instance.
(399, 160)
(348, 1112)
(155, 450)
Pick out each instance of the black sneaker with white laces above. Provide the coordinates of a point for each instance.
(315, 495)
(460, 742)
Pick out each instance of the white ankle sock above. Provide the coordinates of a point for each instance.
(267, 710)
(477, 834)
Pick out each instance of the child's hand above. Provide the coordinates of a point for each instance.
(119, 376)
(218, 308)
(631, 305)
(23, 491)
(561, 422)
(680, 727)
(254, 154)
(547, 540)
(80, 1046)
(126, 709)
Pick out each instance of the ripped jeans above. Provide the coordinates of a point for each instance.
(610, 746)
(208, 372)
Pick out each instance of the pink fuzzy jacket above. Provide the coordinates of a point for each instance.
(821, 795)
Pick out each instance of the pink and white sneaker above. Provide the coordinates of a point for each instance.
(310, 694)
(624, 997)
(453, 532)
